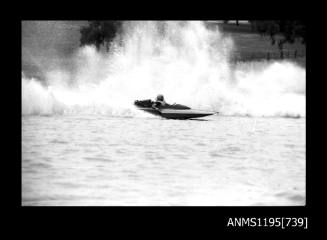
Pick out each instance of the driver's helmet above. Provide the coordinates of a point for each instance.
(160, 97)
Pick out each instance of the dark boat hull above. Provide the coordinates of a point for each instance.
(173, 111)
(184, 114)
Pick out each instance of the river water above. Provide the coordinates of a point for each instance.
(86, 160)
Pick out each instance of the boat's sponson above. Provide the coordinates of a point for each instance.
(148, 104)
(174, 111)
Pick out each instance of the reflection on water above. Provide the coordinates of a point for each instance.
(93, 160)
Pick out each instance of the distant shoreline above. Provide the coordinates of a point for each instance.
(249, 46)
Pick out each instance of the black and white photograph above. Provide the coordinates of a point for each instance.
(163, 113)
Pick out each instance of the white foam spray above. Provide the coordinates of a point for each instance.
(184, 61)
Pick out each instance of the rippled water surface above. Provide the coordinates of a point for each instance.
(100, 160)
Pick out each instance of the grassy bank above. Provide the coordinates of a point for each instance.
(250, 46)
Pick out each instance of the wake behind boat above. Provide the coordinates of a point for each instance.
(174, 111)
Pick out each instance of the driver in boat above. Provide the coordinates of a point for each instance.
(160, 101)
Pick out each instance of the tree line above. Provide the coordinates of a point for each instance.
(99, 33)
(102, 33)
(289, 30)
